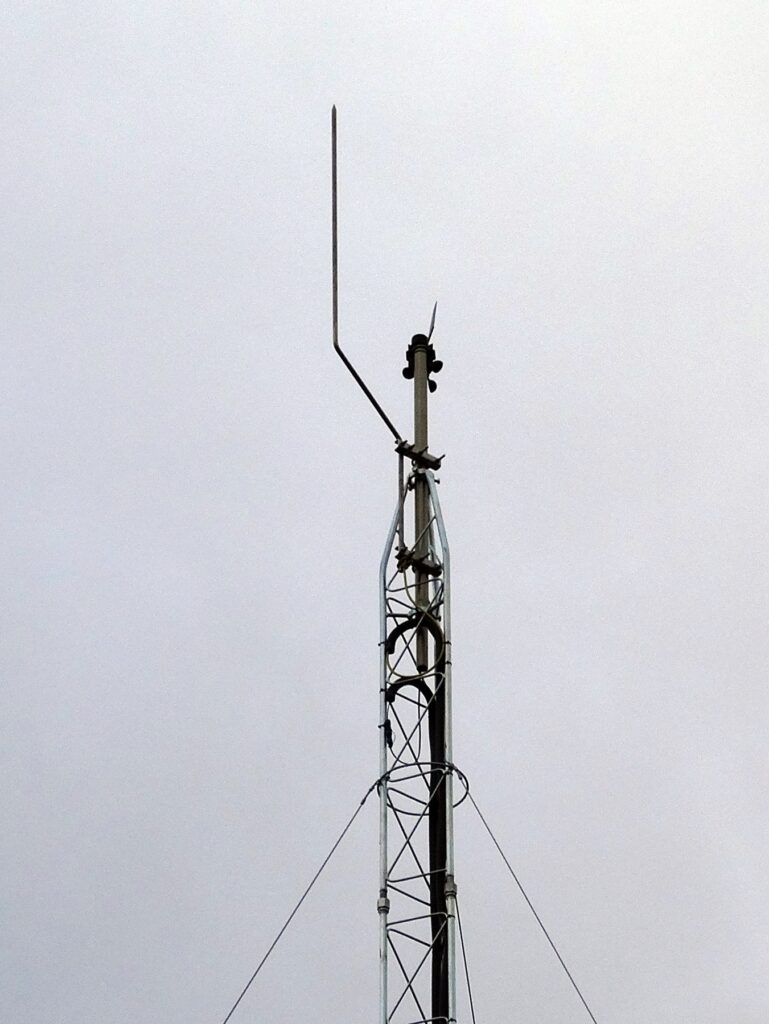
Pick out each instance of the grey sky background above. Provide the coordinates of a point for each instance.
(195, 496)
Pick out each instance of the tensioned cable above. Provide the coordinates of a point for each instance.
(531, 908)
(306, 892)
(464, 958)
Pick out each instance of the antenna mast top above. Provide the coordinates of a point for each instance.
(417, 890)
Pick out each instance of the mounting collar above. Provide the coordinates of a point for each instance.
(433, 365)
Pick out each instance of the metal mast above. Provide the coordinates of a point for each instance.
(417, 886)
(417, 890)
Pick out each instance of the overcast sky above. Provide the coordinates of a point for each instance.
(195, 496)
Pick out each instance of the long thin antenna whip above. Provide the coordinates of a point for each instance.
(335, 288)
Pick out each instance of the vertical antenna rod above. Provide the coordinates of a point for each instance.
(335, 287)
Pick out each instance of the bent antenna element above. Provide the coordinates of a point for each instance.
(335, 290)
